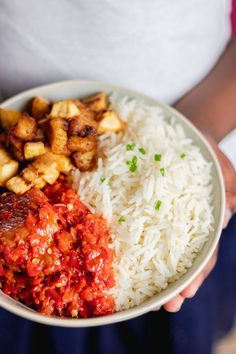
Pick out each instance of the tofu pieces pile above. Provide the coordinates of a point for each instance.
(52, 139)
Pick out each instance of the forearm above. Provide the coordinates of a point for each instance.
(211, 105)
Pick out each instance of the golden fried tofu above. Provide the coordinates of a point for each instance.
(4, 156)
(96, 102)
(40, 107)
(64, 109)
(58, 136)
(110, 123)
(47, 168)
(8, 118)
(8, 170)
(18, 185)
(30, 174)
(82, 126)
(84, 160)
(33, 149)
(64, 164)
(8, 167)
(25, 128)
(76, 143)
(15, 145)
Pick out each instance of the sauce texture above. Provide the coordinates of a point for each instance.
(54, 253)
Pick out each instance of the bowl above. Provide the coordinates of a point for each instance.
(78, 89)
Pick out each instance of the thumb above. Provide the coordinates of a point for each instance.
(228, 215)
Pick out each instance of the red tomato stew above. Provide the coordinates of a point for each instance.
(54, 253)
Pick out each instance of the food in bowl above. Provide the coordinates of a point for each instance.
(153, 188)
(54, 253)
(55, 136)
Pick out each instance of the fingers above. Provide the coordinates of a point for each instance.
(229, 174)
(233, 202)
(175, 304)
(234, 205)
(228, 215)
(191, 290)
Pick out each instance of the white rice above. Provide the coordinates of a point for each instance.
(152, 247)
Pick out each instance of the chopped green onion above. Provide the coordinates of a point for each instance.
(132, 164)
(121, 219)
(133, 168)
(134, 160)
(102, 179)
(157, 157)
(162, 170)
(142, 151)
(158, 204)
(130, 147)
(182, 156)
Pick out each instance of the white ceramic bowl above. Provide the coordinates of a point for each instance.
(78, 89)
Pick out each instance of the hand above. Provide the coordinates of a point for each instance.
(229, 174)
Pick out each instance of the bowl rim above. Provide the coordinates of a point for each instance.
(173, 289)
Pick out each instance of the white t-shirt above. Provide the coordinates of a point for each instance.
(159, 47)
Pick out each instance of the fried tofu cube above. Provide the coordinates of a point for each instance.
(18, 185)
(58, 136)
(30, 174)
(26, 128)
(8, 167)
(51, 175)
(96, 102)
(40, 107)
(64, 164)
(82, 126)
(15, 145)
(7, 171)
(84, 160)
(4, 156)
(64, 109)
(47, 168)
(8, 118)
(110, 123)
(76, 143)
(43, 162)
(33, 149)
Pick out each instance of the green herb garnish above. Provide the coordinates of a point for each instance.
(102, 179)
(121, 220)
(133, 168)
(162, 170)
(157, 157)
(134, 160)
(132, 164)
(158, 204)
(182, 156)
(130, 147)
(142, 151)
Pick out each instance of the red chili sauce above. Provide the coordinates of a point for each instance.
(54, 254)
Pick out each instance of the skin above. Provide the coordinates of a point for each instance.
(211, 106)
